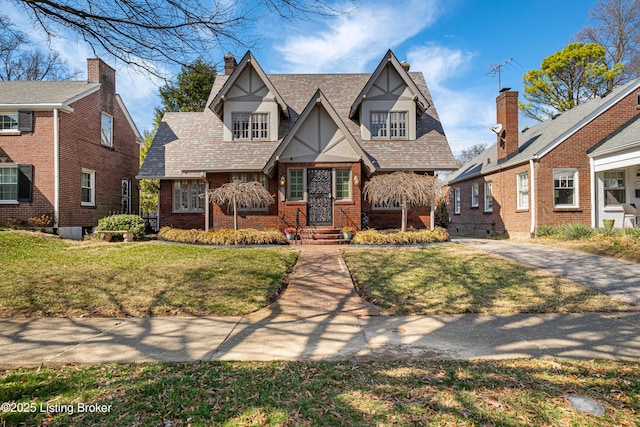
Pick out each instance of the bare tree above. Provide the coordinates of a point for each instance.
(141, 32)
(238, 193)
(20, 61)
(617, 28)
(402, 188)
(470, 153)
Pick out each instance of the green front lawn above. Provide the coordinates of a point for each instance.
(452, 279)
(46, 276)
(371, 393)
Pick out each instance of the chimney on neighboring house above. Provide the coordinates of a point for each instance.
(507, 116)
(405, 65)
(230, 64)
(99, 72)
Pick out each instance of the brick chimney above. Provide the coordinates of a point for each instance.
(230, 64)
(507, 116)
(99, 72)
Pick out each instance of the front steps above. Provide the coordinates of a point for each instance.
(319, 236)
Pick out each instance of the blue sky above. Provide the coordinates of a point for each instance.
(454, 43)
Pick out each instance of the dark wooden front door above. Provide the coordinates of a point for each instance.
(320, 200)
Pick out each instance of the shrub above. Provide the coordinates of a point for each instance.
(607, 233)
(575, 231)
(132, 223)
(224, 236)
(375, 237)
(632, 233)
(546, 231)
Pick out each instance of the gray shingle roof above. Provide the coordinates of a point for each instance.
(43, 92)
(194, 141)
(628, 136)
(538, 140)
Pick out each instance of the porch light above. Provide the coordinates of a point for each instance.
(283, 181)
(356, 179)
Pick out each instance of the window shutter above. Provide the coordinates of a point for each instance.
(25, 180)
(25, 121)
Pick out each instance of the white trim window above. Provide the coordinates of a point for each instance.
(296, 184)
(88, 188)
(390, 206)
(343, 184)
(8, 184)
(456, 200)
(614, 188)
(488, 196)
(106, 130)
(475, 195)
(522, 184)
(249, 177)
(9, 121)
(565, 188)
(187, 196)
(250, 126)
(388, 124)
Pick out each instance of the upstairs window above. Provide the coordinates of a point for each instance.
(107, 130)
(389, 124)
(250, 126)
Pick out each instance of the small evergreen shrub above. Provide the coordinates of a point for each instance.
(132, 223)
(575, 231)
(546, 231)
(224, 236)
(442, 214)
(375, 237)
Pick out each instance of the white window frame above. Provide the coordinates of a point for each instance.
(623, 188)
(91, 187)
(335, 184)
(13, 115)
(106, 139)
(248, 177)
(576, 192)
(302, 186)
(395, 121)
(488, 196)
(186, 198)
(258, 120)
(522, 193)
(456, 200)
(7, 166)
(475, 195)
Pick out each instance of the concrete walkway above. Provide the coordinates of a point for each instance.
(320, 317)
(616, 278)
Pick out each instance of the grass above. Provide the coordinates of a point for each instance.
(46, 276)
(452, 279)
(461, 393)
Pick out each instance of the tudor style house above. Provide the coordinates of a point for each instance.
(312, 140)
(68, 149)
(582, 166)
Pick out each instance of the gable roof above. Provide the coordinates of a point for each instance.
(626, 137)
(217, 104)
(318, 99)
(188, 144)
(390, 59)
(44, 95)
(541, 139)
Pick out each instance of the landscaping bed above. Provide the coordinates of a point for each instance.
(47, 276)
(453, 279)
(368, 393)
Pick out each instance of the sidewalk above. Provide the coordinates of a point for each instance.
(320, 317)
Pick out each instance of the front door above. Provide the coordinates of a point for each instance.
(319, 197)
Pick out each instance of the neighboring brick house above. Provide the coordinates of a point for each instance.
(312, 140)
(68, 149)
(552, 173)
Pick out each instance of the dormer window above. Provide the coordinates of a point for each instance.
(250, 126)
(388, 124)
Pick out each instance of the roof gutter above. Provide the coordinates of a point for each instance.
(40, 107)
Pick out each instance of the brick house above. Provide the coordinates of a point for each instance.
(68, 149)
(557, 172)
(312, 140)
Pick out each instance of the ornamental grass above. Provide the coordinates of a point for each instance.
(413, 237)
(224, 237)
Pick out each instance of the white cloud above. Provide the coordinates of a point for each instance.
(349, 42)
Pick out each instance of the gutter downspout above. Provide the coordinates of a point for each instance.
(432, 219)
(592, 177)
(206, 205)
(56, 169)
(532, 195)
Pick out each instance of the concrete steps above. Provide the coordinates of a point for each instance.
(320, 236)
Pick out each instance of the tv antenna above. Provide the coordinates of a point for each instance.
(496, 69)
